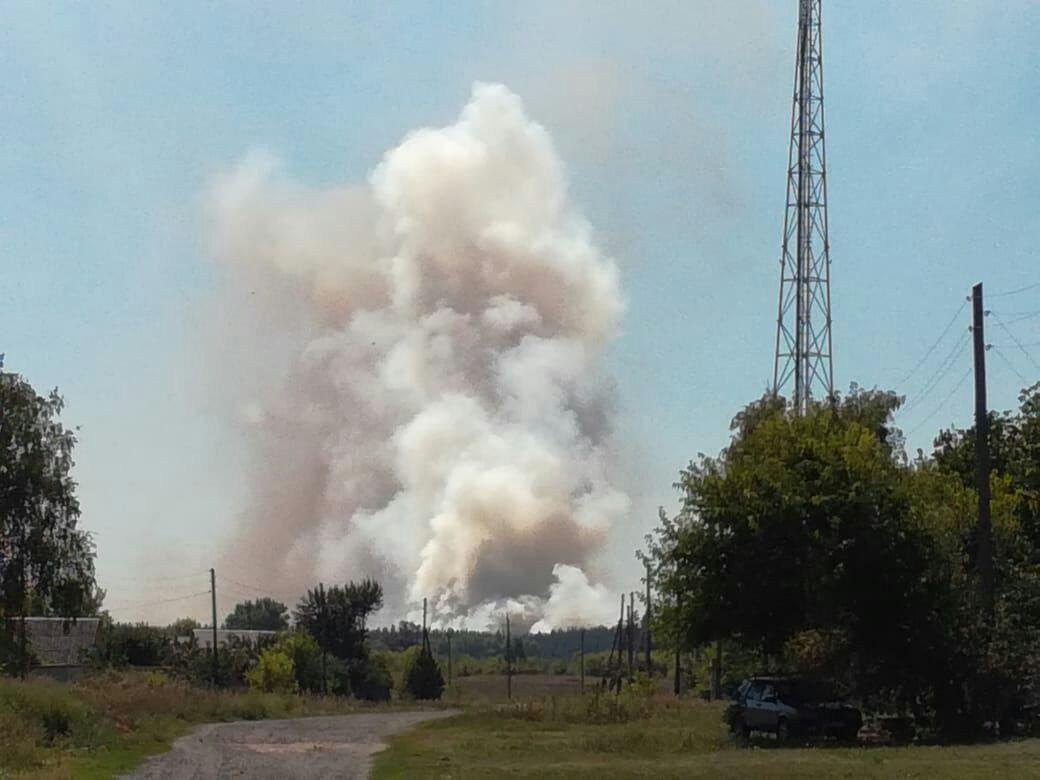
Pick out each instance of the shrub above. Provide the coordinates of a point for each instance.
(273, 673)
(370, 678)
(125, 644)
(305, 653)
(423, 680)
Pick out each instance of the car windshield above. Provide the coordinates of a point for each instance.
(804, 692)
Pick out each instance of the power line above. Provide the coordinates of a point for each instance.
(261, 591)
(934, 346)
(1009, 363)
(157, 603)
(940, 373)
(1014, 338)
(942, 405)
(1015, 292)
(1021, 316)
(250, 592)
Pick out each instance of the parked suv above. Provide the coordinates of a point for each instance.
(788, 706)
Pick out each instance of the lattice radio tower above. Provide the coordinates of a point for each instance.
(803, 363)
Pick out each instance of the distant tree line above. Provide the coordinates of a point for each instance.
(559, 644)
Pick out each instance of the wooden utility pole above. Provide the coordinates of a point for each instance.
(509, 661)
(449, 656)
(631, 634)
(646, 624)
(677, 685)
(984, 529)
(323, 617)
(213, 594)
(581, 660)
(716, 671)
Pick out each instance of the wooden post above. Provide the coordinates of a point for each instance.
(984, 529)
(213, 594)
(646, 623)
(677, 685)
(581, 661)
(449, 656)
(620, 643)
(323, 615)
(716, 671)
(509, 661)
(631, 633)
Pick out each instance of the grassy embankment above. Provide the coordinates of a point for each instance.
(548, 733)
(110, 723)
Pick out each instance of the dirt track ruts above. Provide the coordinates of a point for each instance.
(333, 746)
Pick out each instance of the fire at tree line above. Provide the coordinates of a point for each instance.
(812, 545)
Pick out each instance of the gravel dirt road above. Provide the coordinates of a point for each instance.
(336, 746)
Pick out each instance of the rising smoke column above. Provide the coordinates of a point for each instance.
(416, 366)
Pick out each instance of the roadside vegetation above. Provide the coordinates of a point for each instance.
(110, 722)
(647, 733)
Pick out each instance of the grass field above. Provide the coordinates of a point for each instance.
(108, 724)
(553, 734)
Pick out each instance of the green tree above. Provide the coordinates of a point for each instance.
(273, 673)
(790, 530)
(306, 657)
(337, 618)
(264, 614)
(46, 560)
(423, 677)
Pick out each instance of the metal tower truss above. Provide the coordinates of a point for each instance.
(803, 364)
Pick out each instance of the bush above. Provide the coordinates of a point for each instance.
(370, 679)
(302, 648)
(52, 712)
(423, 680)
(273, 673)
(125, 644)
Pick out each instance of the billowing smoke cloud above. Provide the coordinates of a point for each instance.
(422, 355)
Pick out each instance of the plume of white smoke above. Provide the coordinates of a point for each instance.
(422, 356)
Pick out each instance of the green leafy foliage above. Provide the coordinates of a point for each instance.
(46, 560)
(423, 678)
(813, 544)
(337, 618)
(301, 648)
(264, 614)
(370, 678)
(273, 673)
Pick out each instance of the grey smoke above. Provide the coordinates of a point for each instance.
(417, 369)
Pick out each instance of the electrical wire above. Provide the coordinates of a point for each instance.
(942, 405)
(934, 346)
(261, 591)
(1022, 316)
(157, 603)
(1009, 363)
(940, 373)
(1018, 343)
(1014, 292)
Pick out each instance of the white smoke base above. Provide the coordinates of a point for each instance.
(575, 602)
(416, 364)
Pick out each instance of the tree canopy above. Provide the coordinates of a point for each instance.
(813, 541)
(46, 560)
(337, 618)
(264, 614)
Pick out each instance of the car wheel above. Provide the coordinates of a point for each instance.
(783, 731)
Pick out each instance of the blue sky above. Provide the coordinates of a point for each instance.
(672, 121)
